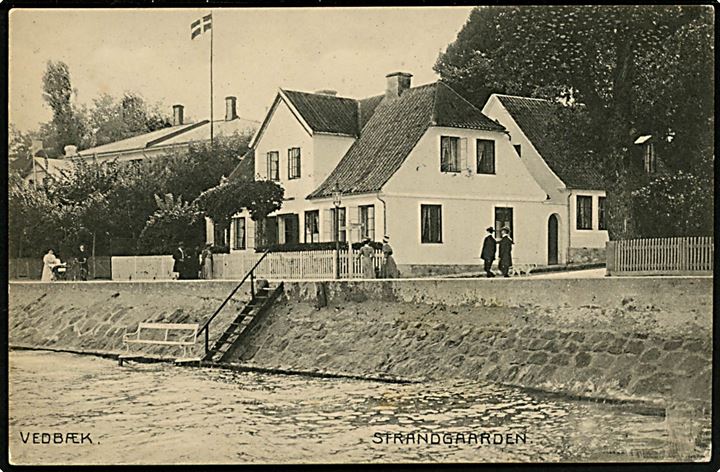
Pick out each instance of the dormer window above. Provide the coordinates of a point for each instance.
(649, 158)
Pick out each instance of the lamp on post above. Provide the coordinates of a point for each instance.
(336, 202)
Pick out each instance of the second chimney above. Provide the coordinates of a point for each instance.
(397, 83)
(230, 110)
(178, 115)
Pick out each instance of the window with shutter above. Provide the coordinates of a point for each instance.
(449, 154)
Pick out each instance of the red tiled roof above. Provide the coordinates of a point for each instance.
(393, 131)
(535, 117)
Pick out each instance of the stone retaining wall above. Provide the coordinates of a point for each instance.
(629, 338)
(93, 316)
(638, 338)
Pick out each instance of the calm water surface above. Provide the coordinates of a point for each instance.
(152, 413)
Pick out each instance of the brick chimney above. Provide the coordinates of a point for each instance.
(230, 108)
(178, 115)
(397, 83)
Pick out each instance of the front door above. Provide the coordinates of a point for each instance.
(552, 240)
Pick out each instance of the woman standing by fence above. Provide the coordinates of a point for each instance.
(366, 260)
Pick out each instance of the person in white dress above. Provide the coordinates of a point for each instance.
(49, 261)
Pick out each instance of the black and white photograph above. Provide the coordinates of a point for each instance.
(360, 235)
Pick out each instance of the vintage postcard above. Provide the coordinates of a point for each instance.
(361, 235)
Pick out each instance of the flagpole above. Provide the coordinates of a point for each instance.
(212, 29)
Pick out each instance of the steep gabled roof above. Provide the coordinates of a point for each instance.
(326, 113)
(535, 117)
(393, 131)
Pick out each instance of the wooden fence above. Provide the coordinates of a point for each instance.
(27, 268)
(661, 256)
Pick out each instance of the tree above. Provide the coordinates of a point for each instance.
(673, 205)
(636, 69)
(260, 197)
(68, 123)
(112, 120)
(174, 220)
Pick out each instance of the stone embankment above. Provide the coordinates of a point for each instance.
(622, 339)
(93, 316)
(643, 339)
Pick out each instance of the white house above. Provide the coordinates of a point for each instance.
(581, 229)
(419, 164)
(179, 136)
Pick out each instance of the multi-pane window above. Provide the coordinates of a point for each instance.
(239, 229)
(294, 163)
(649, 158)
(449, 154)
(602, 222)
(584, 212)
(312, 226)
(367, 222)
(485, 156)
(339, 224)
(430, 223)
(273, 165)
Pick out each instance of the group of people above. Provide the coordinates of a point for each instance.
(188, 264)
(55, 269)
(491, 246)
(388, 269)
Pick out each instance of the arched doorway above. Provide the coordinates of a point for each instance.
(552, 239)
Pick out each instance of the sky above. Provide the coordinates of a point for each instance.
(255, 52)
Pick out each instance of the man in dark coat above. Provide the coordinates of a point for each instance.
(179, 264)
(488, 251)
(505, 252)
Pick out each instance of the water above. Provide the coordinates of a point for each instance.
(153, 413)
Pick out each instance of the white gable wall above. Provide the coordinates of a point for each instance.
(327, 151)
(531, 158)
(468, 201)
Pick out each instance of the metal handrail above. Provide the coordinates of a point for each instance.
(206, 325)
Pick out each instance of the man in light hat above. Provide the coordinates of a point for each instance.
(488, 251)
(505, 252)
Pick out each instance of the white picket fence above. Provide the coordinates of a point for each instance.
(277, 265)
(314, 265)
(660, 256)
